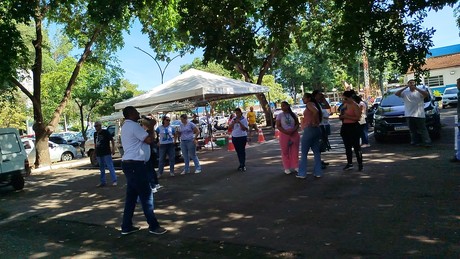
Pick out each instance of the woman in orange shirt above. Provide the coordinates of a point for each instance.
(350, 131)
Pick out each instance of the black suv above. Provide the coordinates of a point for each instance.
(389, 117)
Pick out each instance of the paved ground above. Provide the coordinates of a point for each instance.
(404, 204)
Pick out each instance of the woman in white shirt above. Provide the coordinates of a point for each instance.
(239, 128)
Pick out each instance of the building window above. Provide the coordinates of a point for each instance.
(434, 81)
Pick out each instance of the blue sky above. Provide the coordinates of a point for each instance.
(142, 70)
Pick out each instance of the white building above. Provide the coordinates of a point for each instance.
(444, 69)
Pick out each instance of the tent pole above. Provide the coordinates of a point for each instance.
(209, 127)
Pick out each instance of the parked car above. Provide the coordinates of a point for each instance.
(58, 152)
(376, 102)
(14, 165)
(72, 138)
(57, 139)
(449, 97)
(389, 117)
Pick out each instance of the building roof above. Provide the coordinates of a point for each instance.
(445, 61)
(442, 51)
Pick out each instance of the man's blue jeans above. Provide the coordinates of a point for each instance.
(106, 162)
(163, 150)
(188, 148)
(364, 134)
(457, 154)
(138, 185)
(310, 139)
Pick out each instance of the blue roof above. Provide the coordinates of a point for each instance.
(448, 50)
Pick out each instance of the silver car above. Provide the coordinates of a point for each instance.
(58, 152)
(449, 97)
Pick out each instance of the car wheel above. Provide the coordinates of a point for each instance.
(17, 181)
(379, 138)
(67, 156)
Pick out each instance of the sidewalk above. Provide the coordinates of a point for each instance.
(404, 204)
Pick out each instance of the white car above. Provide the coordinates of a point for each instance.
(58, 152)
(449, 97)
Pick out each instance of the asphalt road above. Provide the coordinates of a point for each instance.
(404, 204)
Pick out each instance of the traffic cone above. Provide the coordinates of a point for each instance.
(277, 133)
(230, 147)
(261, 136)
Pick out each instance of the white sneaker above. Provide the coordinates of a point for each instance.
(183, 172)
(287, 171)
(158, 186)
(154, 190)
(197, 171)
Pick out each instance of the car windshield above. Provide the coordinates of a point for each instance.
(451, 91)
(390, 99)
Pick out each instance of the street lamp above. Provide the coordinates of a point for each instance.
(162, 70)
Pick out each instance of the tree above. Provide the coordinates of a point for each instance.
(12, 113)
(95, 26)
(390, 31)
(249, 36)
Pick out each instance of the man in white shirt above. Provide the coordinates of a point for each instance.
(135, 141)
(414, 111)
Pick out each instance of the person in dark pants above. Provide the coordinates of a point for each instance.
(135, 141)
(456, 158)
(102, 141)
(239, 128)
(350, 131)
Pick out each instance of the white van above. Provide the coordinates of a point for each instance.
(14, 165)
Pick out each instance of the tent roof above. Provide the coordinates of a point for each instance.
(164, 107)
(195, 86)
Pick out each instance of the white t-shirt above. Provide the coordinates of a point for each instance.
(237, 131)
(325, 114)
(286, 120)
(413, 103)
(132, 140)
(362, 120)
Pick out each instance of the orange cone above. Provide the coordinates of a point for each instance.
(230, 147)
(261, 136)
(277, 133)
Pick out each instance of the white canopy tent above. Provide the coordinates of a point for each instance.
(164, 107)
(195, 86)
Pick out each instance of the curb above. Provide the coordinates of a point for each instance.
(70, 164)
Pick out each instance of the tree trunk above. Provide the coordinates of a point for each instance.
(261, 97)
(42, 157)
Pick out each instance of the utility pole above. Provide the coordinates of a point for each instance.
(162, 70)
